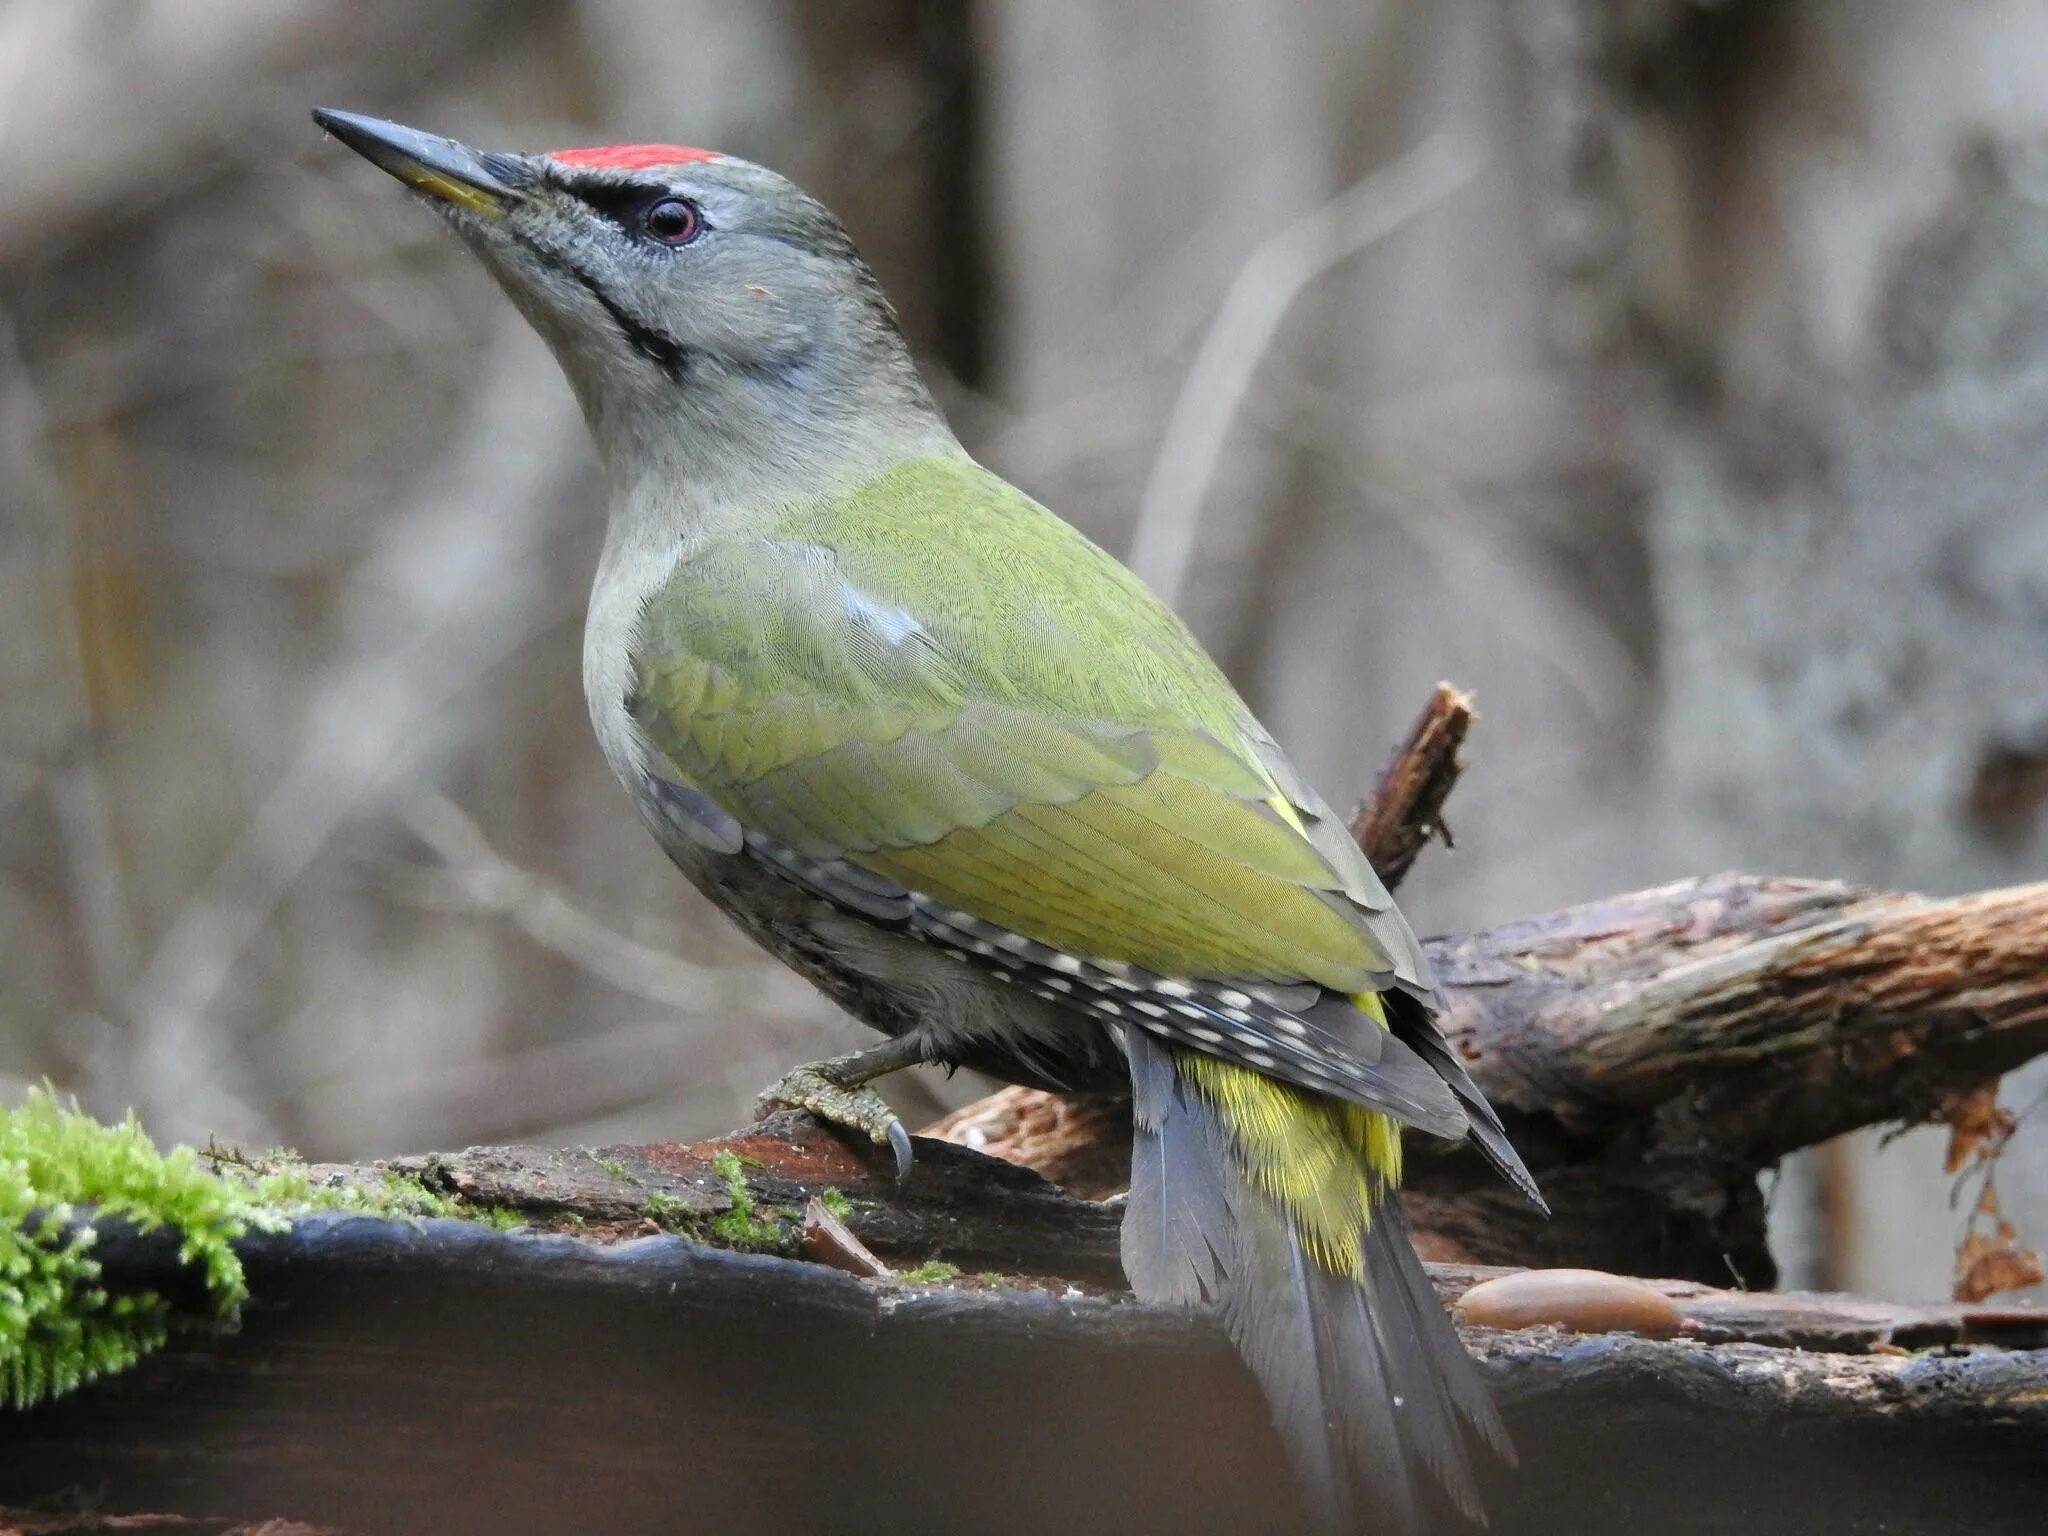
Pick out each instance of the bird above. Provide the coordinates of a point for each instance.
(957, 766)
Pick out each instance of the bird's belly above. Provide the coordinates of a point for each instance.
(900, 984)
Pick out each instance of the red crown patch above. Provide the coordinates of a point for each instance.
(631, 157)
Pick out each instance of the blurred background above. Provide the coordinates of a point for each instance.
(1674, 375)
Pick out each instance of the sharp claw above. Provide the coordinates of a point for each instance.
(899, 1143)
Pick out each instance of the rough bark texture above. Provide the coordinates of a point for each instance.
(1406, 807)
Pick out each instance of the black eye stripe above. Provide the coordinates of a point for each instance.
(616, 200)
(659, 348)
(634, 207)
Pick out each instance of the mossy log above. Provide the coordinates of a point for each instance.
(599, 1372)
(612, 1368)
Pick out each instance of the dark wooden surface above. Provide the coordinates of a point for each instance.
(442, 1377)
(1648, 1051)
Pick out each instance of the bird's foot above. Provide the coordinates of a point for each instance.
(831, 1092)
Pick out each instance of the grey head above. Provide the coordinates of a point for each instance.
(717, 324)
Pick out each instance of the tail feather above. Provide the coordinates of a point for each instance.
(1364, 1375)
(1307, 1337)
(1177, 1219)
(1413, 1026)
(1438, 1385)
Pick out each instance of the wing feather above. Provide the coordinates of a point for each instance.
(1037, 747)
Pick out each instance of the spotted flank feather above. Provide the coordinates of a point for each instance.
(1232, 1023)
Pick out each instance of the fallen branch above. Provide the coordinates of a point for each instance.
(444, 1377)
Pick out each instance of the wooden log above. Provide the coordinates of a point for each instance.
(1654, 1052)
(617, 1365)
(613, 1367)
(444, 1377)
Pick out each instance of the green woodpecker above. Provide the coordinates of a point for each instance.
(958, 767)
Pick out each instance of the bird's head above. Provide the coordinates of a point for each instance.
(712, 317)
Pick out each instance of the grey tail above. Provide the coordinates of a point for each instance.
(1367, 1381)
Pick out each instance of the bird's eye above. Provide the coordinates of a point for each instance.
(672, 220)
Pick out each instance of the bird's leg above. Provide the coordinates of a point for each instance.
(837, 1092)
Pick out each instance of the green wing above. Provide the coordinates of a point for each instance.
(934, 683)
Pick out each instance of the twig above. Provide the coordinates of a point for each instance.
(1258, 299)
(1406, 808)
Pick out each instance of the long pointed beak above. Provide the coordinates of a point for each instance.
(484, 184)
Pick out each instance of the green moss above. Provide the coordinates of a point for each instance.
(930, 1272)
(615, 1168)
(61, 1173)
(739, 1226)
(835, 1201)
(280, 1181)
(666, 1208)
